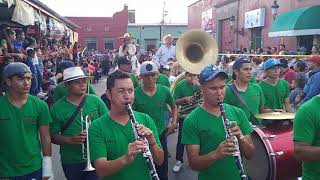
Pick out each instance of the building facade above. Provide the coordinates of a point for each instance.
(149, 36)
(101, 33)
(252, 21)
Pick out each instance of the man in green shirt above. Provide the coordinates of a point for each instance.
(124, 65)
(208, 150)
(24, 129)
(251, 93)
(162, 79)
(275, 90)
(306, 128)
(60, 90)
(115, 152)
(72, 140)
(185, 93)
(152, 99)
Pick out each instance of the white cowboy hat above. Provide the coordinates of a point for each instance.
(166, 36)
(126, 35)
(73, 73)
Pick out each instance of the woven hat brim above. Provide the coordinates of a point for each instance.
(75, 78)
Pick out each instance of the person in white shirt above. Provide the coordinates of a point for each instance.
(129, 50)
(166, 51)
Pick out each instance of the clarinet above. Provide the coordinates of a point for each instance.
(146, 153)
(236, 155)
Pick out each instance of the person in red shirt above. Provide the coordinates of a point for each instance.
(287, 73)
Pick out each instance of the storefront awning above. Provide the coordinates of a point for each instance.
(299, 22)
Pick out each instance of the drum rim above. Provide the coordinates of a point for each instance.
(269, 149)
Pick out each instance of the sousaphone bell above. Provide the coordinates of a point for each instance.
(195, 49)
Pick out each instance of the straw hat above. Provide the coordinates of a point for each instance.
(73, 73)
(167, 36)
(126, 35)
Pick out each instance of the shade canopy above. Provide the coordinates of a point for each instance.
(298, 22)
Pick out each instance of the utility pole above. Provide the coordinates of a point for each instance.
(164, 14)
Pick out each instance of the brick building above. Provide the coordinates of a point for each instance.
(102, 32)
(252, 22)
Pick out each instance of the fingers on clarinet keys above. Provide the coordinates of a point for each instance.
(134, 149)
(234, 129)
(144, 132)
(227, 148)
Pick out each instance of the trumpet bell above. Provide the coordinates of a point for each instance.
(195, 49)
(89, 168)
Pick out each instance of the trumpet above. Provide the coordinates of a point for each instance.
(85, 145)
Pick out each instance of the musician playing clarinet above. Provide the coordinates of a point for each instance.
(208, 150)
(115, 152)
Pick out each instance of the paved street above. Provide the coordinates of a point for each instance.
(185, 174)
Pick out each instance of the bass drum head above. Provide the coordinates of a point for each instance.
(258, 167)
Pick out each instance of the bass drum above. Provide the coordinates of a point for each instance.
(273, 157)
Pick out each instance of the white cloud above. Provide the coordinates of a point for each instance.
(147, 11)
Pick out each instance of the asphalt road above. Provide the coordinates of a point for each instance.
(185, 173)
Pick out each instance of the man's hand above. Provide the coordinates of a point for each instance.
(226, 148)
(189, 99)
(134, 149)
(78, 139)
(145, 132)
(171, 128)
(235, 130)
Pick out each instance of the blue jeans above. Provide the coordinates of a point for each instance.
(36, 175)
(180, 147)
(166, 118)
(163, 169)
(75, 172)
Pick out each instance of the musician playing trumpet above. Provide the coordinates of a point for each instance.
(203, 133)
(115, 152)
(72, 138)
(184, 94)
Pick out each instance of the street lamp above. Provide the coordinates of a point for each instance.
(232, 20)
(164, 14)
(274, 9)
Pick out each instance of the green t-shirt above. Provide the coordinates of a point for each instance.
(3, 42)
(252, 80)
(253, 96)
(184, 89)
(163, 80)
(155, 106)
(61, 91)
(109, 139)
(20, 151)
(205, 129)
(134, 79)
(61, 111)
(275, 95)
(306, 128)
